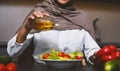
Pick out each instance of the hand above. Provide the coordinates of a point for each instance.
(93, 58)
(96, 61)
(84, 62)
(30, 20)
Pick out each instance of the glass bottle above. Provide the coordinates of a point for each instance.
(44, 23)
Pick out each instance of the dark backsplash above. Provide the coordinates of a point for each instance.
(3, 48)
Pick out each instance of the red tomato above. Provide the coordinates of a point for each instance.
(2, 67)
(45, 56)
(66, 56)
(11, 67)
(103, 51)
(78, 57)
(117, 54)
(108, 49)
(106, 53)
(108, 57)
(61, 54)
(113, 48)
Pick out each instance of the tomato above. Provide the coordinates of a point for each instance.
(106, 53)
(2, 67)
(103, 51)
(11, 67)
(108, 49)
(66, 56)
(108, 57)
(117, 54)
(78, 57)
(45, 56)
(61, 54)
(113, 48)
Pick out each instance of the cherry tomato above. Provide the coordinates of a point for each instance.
(11, 67)
(45, 56)
(2, 67)
(66, 56)
(78, 57)
(61, 54)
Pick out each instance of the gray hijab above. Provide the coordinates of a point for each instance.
(67, 16)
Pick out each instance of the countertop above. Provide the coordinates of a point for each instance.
(43, 67)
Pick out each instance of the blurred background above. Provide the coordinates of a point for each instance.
(103, 14)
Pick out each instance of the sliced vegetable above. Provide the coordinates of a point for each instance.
(59, 55)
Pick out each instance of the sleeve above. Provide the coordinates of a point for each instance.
(90, 46)
(15, 49)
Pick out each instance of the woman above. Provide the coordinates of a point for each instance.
(74, 32)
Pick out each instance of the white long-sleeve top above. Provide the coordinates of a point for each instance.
(65, 40)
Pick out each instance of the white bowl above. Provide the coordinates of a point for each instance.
(61, 63)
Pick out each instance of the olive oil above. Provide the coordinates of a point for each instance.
(43, 24)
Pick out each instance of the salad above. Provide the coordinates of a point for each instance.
(59, 55)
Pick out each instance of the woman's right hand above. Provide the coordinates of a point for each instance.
(28, 26)
(30, 20)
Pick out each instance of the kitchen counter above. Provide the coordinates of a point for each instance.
(43, 67)
(21, 66)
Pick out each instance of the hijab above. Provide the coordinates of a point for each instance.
(67, 14)
(65, 6)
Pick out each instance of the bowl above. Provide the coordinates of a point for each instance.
(61, 63)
